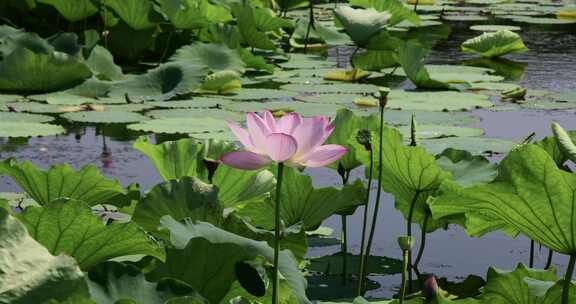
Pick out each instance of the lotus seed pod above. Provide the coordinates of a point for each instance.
(564, 141)
(413, 131)
(405, 242)
(383, 96)
(364, 137)
(430, 288)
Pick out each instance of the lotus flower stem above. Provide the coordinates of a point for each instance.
(344, 249)
(422, 242)
(568, 279)
(310, 25)
(405, 255)
(416, 6)
(409, 233)
(549, 260)
(364, 226)
(277, 235)
(383, 101)
(531, 263)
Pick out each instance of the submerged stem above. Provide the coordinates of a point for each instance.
(568, 279)
(364, 227)
(276, 278)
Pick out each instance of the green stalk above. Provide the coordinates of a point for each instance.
(405, 255)
(422, 243)
(364, 227)
(568, 279)
(549, 260)
(531, 264)
(276, 278)
(409, 233)
(310, 26)
(383, 101)
(344, 249)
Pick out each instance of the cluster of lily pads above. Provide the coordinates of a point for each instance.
(205, 234)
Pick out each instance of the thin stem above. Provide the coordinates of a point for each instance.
(378, 194)
(422, 242)
(364, 225)
(416, 6)
(568, 279)
(531, 264)
(405, 254)
(409, 233)
(344, 249)
(549, 260)
(310, 26)
(352, 56)
(276, 278)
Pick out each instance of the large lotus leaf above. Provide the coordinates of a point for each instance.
(361, 24)
(106, 117)
(29, 273)
(28, 129)
(61, 181)
(102, 64)
(128, 44)
(197, 113)
(216, 57)
(136, 13)
(24, 117)
(411, 174)
(163, 82)
(332, 88)
(437, 101)
(116, 283)
(467, 169)
(411, 57)
(266, 20)
(396, 8)
(301, 202)
(252, 35)
(474, 145)
(510, 287)
(175, 159)
(222, 82)
(192, 14)
(432, 131)
(495, 44)
(377, 265)
(262, 94)
(550, 145)
(69, 226)
(73, 11)
(318, 32)
(27, 70)
(182, 126)
(237, 187)
(347, 125)
(305, 109)
(530, 194)
(188, 197)
(182, 234)
(374, 60)
(255, 62)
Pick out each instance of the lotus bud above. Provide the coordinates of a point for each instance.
(405, 242)
(383, 96)
(430, 288)
(364, 137)
(564, 142)
(413, 130)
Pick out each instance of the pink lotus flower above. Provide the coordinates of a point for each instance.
(292, 140)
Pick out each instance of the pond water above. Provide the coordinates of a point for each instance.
(549, 65)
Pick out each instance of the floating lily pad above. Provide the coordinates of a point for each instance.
(28, 129)
(429, 131)
(457, 73)
(324, 288)
(196, 102)
(343, 99)
(67, 99)
(24, 117)
(35, 107)
(305, 109)
(104, 117)
(437, 101)
(464, 18)
(181, 125)
(495, 44)
(303, 61)
(196, 113)
(495, 28)
(261, 94)
(332, 264)
(474, 145)
(132, 107)
(4, 98)
(332, 88)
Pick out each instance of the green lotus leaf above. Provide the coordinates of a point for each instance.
(181, 126)
(474, 145)
(117, 283)
(495, 44)
(374, 60)
(216, 57)
(163, 82)
(24, 117)
(196, 113)
(252, 34)
(437, 101)
(60, 98)
(411, 57)
(237, 188)
(306, 61)
(106, 117)
(73, 11)
(510, 287)
(126, 43)
(396, 8)
(261, 94)
(183, 234)
(36, 107)
(431, 131)
(61, 181)
(466, 169)
(528, 180)
(223, 82)
(301, 202)
(28, 129)
(302, 108)
(97, 241)
(27, 70)
(550, 145)
(362, 25)
(332, 88)
(195, 102)
(255, 62)
(136, 13)
(495, 28)
(193, 14)
(36, 276)
(377, 265)
(102, 64)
